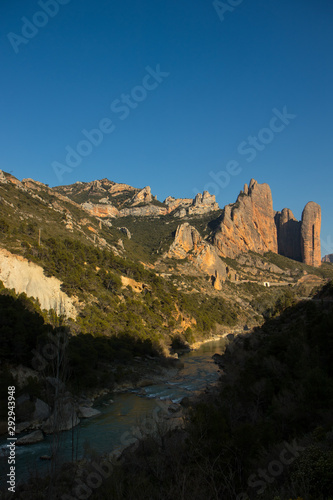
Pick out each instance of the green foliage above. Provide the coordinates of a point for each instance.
(314, 469)
(208, 311)
(20, 326)
(4, 226)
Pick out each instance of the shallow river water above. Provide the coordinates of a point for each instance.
(106, 431)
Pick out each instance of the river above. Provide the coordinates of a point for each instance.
(119, 419)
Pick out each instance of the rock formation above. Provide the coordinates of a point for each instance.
(248, 224)
(126, 231)
(101, 210)
(202, 204)
(143, 196)
(310, 234)
(189, 243)
(328, 258)
(24, 276)
(289, 234)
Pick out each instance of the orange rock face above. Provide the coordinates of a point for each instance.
(203, 254)
(101, 210)
(310, 234)
(248, 224)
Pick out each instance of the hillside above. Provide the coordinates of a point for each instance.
(121, 280)
(167, 269)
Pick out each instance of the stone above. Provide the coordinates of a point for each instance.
(32, 438)
(146, 210)
(328, 258)
(143, 196)
(42, 410)
(126, 231)
(100, 210)
(86, 412)
(181, 213)
(56, 383)
(189, 243)
(248, 224)
(202, 204)
(27, 277)
(64, 419)
(288, 234)
(310, 234)
(23, 426)
(217, 281)
(174, 408)
(23, 398)
(3, 179)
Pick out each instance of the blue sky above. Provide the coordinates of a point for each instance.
(221, 76)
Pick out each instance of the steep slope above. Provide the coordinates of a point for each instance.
(310, 234)
(26, 277)
(189, 244)
(248, 224)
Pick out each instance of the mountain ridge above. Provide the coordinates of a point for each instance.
(249, 224)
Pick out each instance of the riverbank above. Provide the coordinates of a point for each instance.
(149, 408)
(220, 336)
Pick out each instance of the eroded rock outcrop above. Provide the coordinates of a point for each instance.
(189, 243)
(288, 234)
(143, 196)
(26, 277)
(310, 234)
(200, 205)
(248, 224)
(328, 258)
(101, 210)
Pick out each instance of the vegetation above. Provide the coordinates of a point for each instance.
(265, 433)
(277, 383)
(277, 389)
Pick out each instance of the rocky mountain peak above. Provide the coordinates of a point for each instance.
(143, 196)
(248, 224)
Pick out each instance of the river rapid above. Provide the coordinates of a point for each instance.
(118, 419)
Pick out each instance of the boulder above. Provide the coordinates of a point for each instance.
(86, 412)
(63, 418)
(174, 408)
(42, 410)
(23, 426)
(32, 438)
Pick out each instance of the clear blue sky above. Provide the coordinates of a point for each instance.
(227, 72)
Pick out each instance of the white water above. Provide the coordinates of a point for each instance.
(118, 420)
